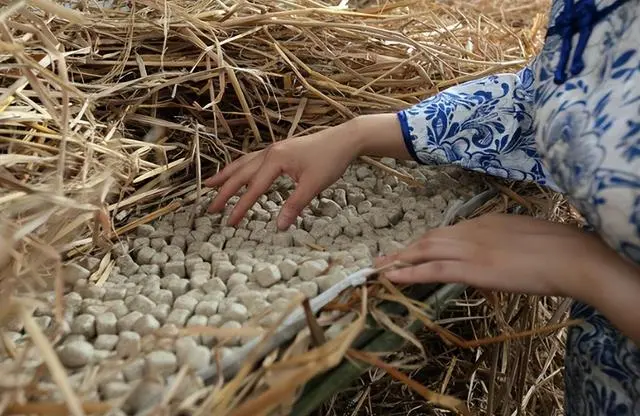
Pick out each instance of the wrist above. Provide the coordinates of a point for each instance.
(609, 277)
(377, 135)
(614, 292)
(354, 133)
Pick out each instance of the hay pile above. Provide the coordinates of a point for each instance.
(111, 116)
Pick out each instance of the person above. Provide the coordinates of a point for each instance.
(569, 120)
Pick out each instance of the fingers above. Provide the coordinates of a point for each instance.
(232, 185)
(257, 170)
(259, 183)
(229, 170)
(469, 273)
(300, 198)
(441, 271)
(430, 248)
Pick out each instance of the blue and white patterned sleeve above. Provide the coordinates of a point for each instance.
(485, 125)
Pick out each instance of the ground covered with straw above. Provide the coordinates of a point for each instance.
(112, 114)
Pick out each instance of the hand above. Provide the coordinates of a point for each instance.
(314, 162)
(513, 254)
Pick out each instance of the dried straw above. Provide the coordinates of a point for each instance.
(110, 116)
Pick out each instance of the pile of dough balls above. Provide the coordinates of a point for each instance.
(183, 271)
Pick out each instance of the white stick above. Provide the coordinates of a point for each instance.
(294, 323)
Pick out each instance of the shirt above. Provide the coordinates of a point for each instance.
(569, 120)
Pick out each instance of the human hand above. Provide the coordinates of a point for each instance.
(314, 162)
(513, 254)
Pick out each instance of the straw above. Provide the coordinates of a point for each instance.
(110, 117)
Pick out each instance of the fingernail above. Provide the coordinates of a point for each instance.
(232, 221)
(283, 221)
(282, 224)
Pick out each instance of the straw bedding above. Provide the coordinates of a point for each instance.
(112, 114)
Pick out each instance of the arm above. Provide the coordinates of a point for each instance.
(485, 125)
(522, 254)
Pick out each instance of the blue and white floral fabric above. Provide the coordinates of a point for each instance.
(569, 120)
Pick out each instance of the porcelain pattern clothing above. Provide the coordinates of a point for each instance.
(570, 120)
